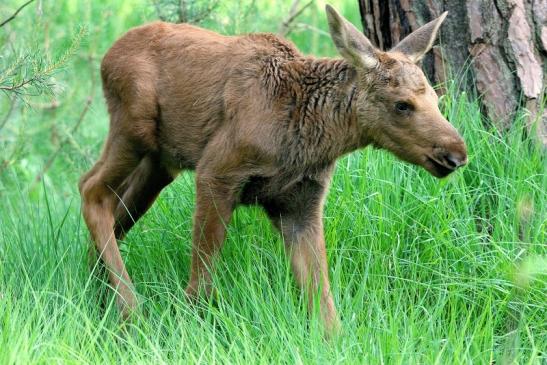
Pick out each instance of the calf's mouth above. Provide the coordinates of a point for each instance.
(437, 168)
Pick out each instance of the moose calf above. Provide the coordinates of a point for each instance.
(261, 124)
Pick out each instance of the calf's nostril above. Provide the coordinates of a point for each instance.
(451, 161)
(454, 161)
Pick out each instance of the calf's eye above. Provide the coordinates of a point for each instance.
(403, 107)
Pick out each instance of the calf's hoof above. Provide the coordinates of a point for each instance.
(195, 290)
(127, 303)
(332, 328)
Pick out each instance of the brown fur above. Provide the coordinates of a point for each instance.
(260, 124)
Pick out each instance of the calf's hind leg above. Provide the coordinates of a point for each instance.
(99, 201)
(138, 192)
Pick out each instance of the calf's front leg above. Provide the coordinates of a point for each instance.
(298, 213)
(305, 246)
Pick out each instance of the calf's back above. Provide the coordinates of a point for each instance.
(177, 85)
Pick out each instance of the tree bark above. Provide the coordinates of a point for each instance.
(497, 48)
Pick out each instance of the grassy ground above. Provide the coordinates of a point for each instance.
(423, 271)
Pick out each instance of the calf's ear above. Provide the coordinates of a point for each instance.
(351, 43)
(419, 42)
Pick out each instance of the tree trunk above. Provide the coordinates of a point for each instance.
(502, 43)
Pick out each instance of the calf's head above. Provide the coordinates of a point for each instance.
(396, 107)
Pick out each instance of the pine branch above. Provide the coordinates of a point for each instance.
(286, 26)
(15, 14)
(31, 73)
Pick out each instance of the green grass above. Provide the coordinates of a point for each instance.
(423, 271)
